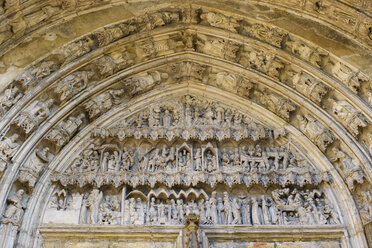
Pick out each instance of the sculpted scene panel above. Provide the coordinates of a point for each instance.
(164, 206)
(190, 157)
(186, 142)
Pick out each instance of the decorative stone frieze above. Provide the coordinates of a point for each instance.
(184, 162)
(191, 118)
(162, 206)
(223, 48)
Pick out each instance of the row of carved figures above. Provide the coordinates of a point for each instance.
(186, 158)
(283, 207)
(274, 36)
(190, 112)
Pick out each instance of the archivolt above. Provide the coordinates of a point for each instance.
(269, 60)
(43, 190)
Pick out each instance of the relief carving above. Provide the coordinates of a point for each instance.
(60, 200)
(61, 134)
(8, 147)
(191, 118)
(33, 115)
(44, 69)
(214, 46)
(76, 49)
(163, 206)
(365, 206)
(299, 48)
(145, 81)
(8, 98)
(309, 86)
(12, 218)
(103, 102)
(315, 131)
(211, 45)
(187, 164)
(256, 59)
(14, 212)
(259, 31)
(31, 171)
(275, 103)
(349, 116)
(181, 122)
(108, 35)
(351, 170)
(220, 21)
(345, 74)
(72, 84)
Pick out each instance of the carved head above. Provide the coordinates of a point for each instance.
(20, 193)
(14, 137)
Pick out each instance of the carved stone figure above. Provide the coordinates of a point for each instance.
(351, 169)
(227, 209)
(44, 69)
(31, 171)
(256, 59)
(192, 236)
(265, 211)
(309, 86)
(272, 210)
(236, 213)
(246, 211)
(315, 131)
(146, 81)
(277, 104)
(140, 214)
(77, 49)
(8, 98)
(219, 20)
(128, 159)
(349, 116)
(14, 212)
(343, 73)
(60, 200)
(61, 134)
(73, 84)
(127, 215)
(33, 115)
(365, 206)
(92, 204)
(113, 162)
(8, 147)
(256, 213)
(103, 102)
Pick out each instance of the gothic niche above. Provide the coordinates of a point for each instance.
(190, 162)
